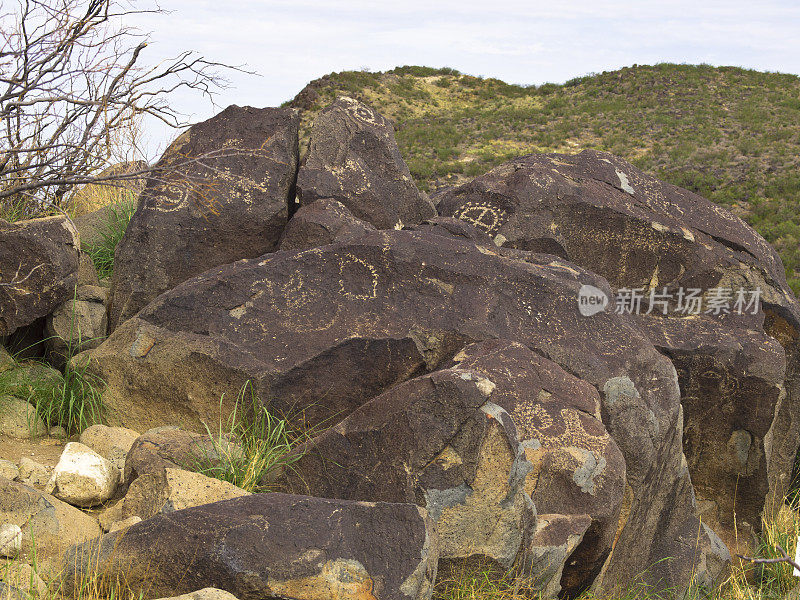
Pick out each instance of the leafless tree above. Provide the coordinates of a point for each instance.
(71, 81)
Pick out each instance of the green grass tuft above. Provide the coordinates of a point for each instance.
(102, 251)
(251, 446)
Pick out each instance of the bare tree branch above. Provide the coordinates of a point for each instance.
(784, 558)
(71, 83)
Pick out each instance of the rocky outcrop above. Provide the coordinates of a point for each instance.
(473, 445)
(219, 193)
(603, 214)
(576, 477)
(272, 545)
(353, 158)
(322, 331)
(38, 269)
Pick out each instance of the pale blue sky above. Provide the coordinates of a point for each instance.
(290, 42)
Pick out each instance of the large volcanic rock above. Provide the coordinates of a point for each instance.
(321, 331)
(577, 475)
(742, 413)
(39, 261)
(220, 192)
(437, 441)
(271, 546)
(473, 445)
(353, 158)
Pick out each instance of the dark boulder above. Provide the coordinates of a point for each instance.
(322, 331)
(473, 444)
(437, 441)
(39, 261)
(269, 546)
(353, 158)
(600, 212)
(321, 223)
(219, 193)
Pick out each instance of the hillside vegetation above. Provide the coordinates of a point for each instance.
(729, 134)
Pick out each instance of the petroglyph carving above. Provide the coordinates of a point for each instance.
(483, 215)
(361, 112)
(351, 281)
(537, 423)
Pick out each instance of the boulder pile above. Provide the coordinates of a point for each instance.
(566, 370)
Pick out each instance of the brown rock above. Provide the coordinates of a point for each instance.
(172, 448)
(320, 223)
(173, 489)
(231, 203)
(52, 524)
(272, 545)
(38, 269)
(353, 158)
(438, 441)
(576, 473)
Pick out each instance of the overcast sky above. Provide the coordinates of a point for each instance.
(290, 42)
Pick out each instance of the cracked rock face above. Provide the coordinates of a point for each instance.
(737, 373)
(576, 476)
(320, 223)
(353, 158)
(437, 441)
(473, 444)
(39, 261)
(219, 193)
(272, 545)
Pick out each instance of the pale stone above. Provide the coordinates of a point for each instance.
(33, 473)
(82, 477)
(10, 540)
(8, 469)
(112, 443)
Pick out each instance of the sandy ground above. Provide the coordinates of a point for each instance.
(45, 451)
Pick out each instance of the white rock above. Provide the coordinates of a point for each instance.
(112, 443)
(18, 418)
(10, 540)
(82, 477)
(33, 473)
(8, 469)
